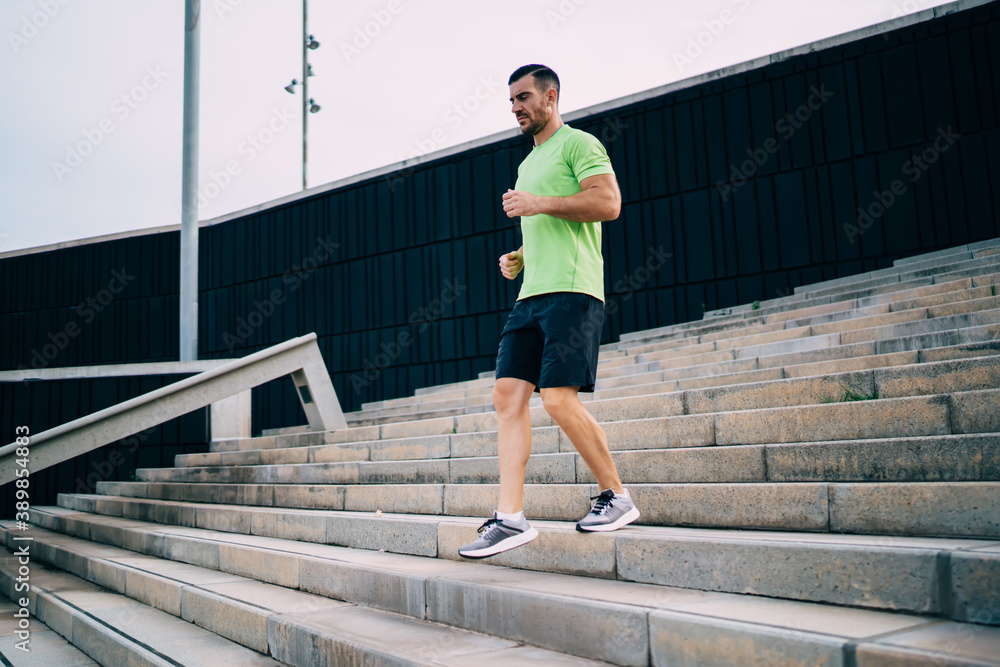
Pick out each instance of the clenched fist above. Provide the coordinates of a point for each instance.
(518, 203)
(511, 264)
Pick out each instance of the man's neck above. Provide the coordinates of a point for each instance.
(555, 122)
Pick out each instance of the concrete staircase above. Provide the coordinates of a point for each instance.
(819, 477)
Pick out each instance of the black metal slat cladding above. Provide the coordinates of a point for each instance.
(752, 184)
(42, 405)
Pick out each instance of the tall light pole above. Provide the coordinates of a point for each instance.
(308, 104)
(189, 184)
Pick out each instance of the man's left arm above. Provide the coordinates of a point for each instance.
(599, 200)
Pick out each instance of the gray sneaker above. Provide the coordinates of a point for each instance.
(609, 513)
(496, 536)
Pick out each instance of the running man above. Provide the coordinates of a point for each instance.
(565, 187)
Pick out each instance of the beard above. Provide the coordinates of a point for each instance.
(535, 124)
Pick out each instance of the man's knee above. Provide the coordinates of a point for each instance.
(559, 401)
(509, 398)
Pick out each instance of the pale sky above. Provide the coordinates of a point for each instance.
(90, 123)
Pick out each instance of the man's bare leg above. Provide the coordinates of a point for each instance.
(503, 532)
(563, 404)
(510, 397)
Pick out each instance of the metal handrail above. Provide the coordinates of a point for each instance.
(299, 357)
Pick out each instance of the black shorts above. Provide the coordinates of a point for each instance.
(552, 340)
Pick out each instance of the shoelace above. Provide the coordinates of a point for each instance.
(604, 501)
(488, 525)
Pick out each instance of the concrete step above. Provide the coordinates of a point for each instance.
(902, 459)
(882, 289)
(650, 622)
(714, 363)
(847, 293)
(890, 273)
(736, 427)
(936, 509)
(886, 573)
(284, 431)
(757, 375)
(408, 400)
(465, 423)
(787, 308)
(976, 369)
(428, 407)
(839, 319)
(672, 358)
(859, 356)
(925, 262)
(953, 286)
(833, 312)
(465, 384)
(635, 414)
(210, 609)
(854, 363)
(959, 267)
(649, 345)
(930, 325)
(659, 381)
(401, 410)
(652, 341)
(687, 329)
(112, 629)
(857, 299)
(38, 645)
(936, 255)
(880, 320)
(980, 276)
(827, 312)
(985, 304)
(939, 299)
(942, 338)
(961, 351)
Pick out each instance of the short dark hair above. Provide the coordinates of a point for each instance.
(545, 78)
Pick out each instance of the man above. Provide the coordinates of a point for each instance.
(564, 188)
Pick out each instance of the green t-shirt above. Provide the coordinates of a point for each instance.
(560, 255)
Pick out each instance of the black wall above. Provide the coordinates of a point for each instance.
(41, 405)
(387, 320)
